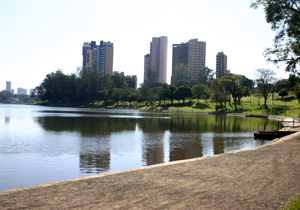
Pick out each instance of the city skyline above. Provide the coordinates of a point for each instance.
(155, 63)
(41, 37)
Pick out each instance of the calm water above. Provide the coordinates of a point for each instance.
(46, 144)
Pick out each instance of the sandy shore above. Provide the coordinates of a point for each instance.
(259, 178)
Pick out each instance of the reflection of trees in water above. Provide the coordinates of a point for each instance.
(192, 123)
(87, 126)
(185, 139)
(94, 154)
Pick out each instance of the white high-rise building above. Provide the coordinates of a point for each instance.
(191, 54)
(157, 74)
(98, 57)
(196, 58)
(105, 57)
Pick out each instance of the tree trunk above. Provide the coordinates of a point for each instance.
(266, 107)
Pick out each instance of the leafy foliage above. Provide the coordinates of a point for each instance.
(284, 17)
(265, 83)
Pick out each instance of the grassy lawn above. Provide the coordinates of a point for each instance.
(288, 107)
(293, 203)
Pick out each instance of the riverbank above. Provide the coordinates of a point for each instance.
(259, 178)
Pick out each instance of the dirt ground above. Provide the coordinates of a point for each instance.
(259, 178)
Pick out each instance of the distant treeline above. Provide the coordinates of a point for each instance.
(89, 86)
(8, 98)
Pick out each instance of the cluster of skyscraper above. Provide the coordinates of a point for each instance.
(98, 57)
(191, 54)
(20, 91)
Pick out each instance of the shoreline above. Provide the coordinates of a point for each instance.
(263, 177)
(256, 178)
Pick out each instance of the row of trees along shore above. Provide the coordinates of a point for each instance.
(89, 86)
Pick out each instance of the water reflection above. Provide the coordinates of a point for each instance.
(94, 154)
(169, 138)
(7, 120)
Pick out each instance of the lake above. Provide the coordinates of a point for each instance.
(44, 144)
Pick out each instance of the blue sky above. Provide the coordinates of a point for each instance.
(40, 36)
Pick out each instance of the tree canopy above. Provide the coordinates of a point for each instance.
(284, 17)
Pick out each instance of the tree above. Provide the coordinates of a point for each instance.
(200, 90)
(284, 17)
(143, 93)
(164, 93)
(116, 94)
(180, 75)
(265, 80)
(172, 91)
(133, 95)
(218, 92)
(153, 95)
(53, 88)
(283, 93)
(183, 92)
(235, 87)
(281, 84)
(206, 76)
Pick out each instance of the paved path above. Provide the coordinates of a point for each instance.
(260, 178)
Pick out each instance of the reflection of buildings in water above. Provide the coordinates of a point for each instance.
(95, 154)
(7, 120)
(207, 144)
(218, 145)
(153, 148)
(184, 146)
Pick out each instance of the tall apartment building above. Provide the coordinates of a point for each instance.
(147, 69)
(98, 57)
(8, 86)
(21, 91)
(105, 57)
(221, 65)
(192, 54)
(155, 63)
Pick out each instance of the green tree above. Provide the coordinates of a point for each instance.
(206, 76)
(131, 81)
(164, 93)
(180, 75)
(132, 95)
(183, 92)
(153, 95)
(283, 93)
(54, 88)
(218, 93)
(281, 84)
(284, 17)
(200, 90)
(265, 80)
(116, 94)
(236, 88)
(90, 83)
(172, 91)
(143, 93)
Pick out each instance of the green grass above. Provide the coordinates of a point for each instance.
(288, 107)
(293, 203)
